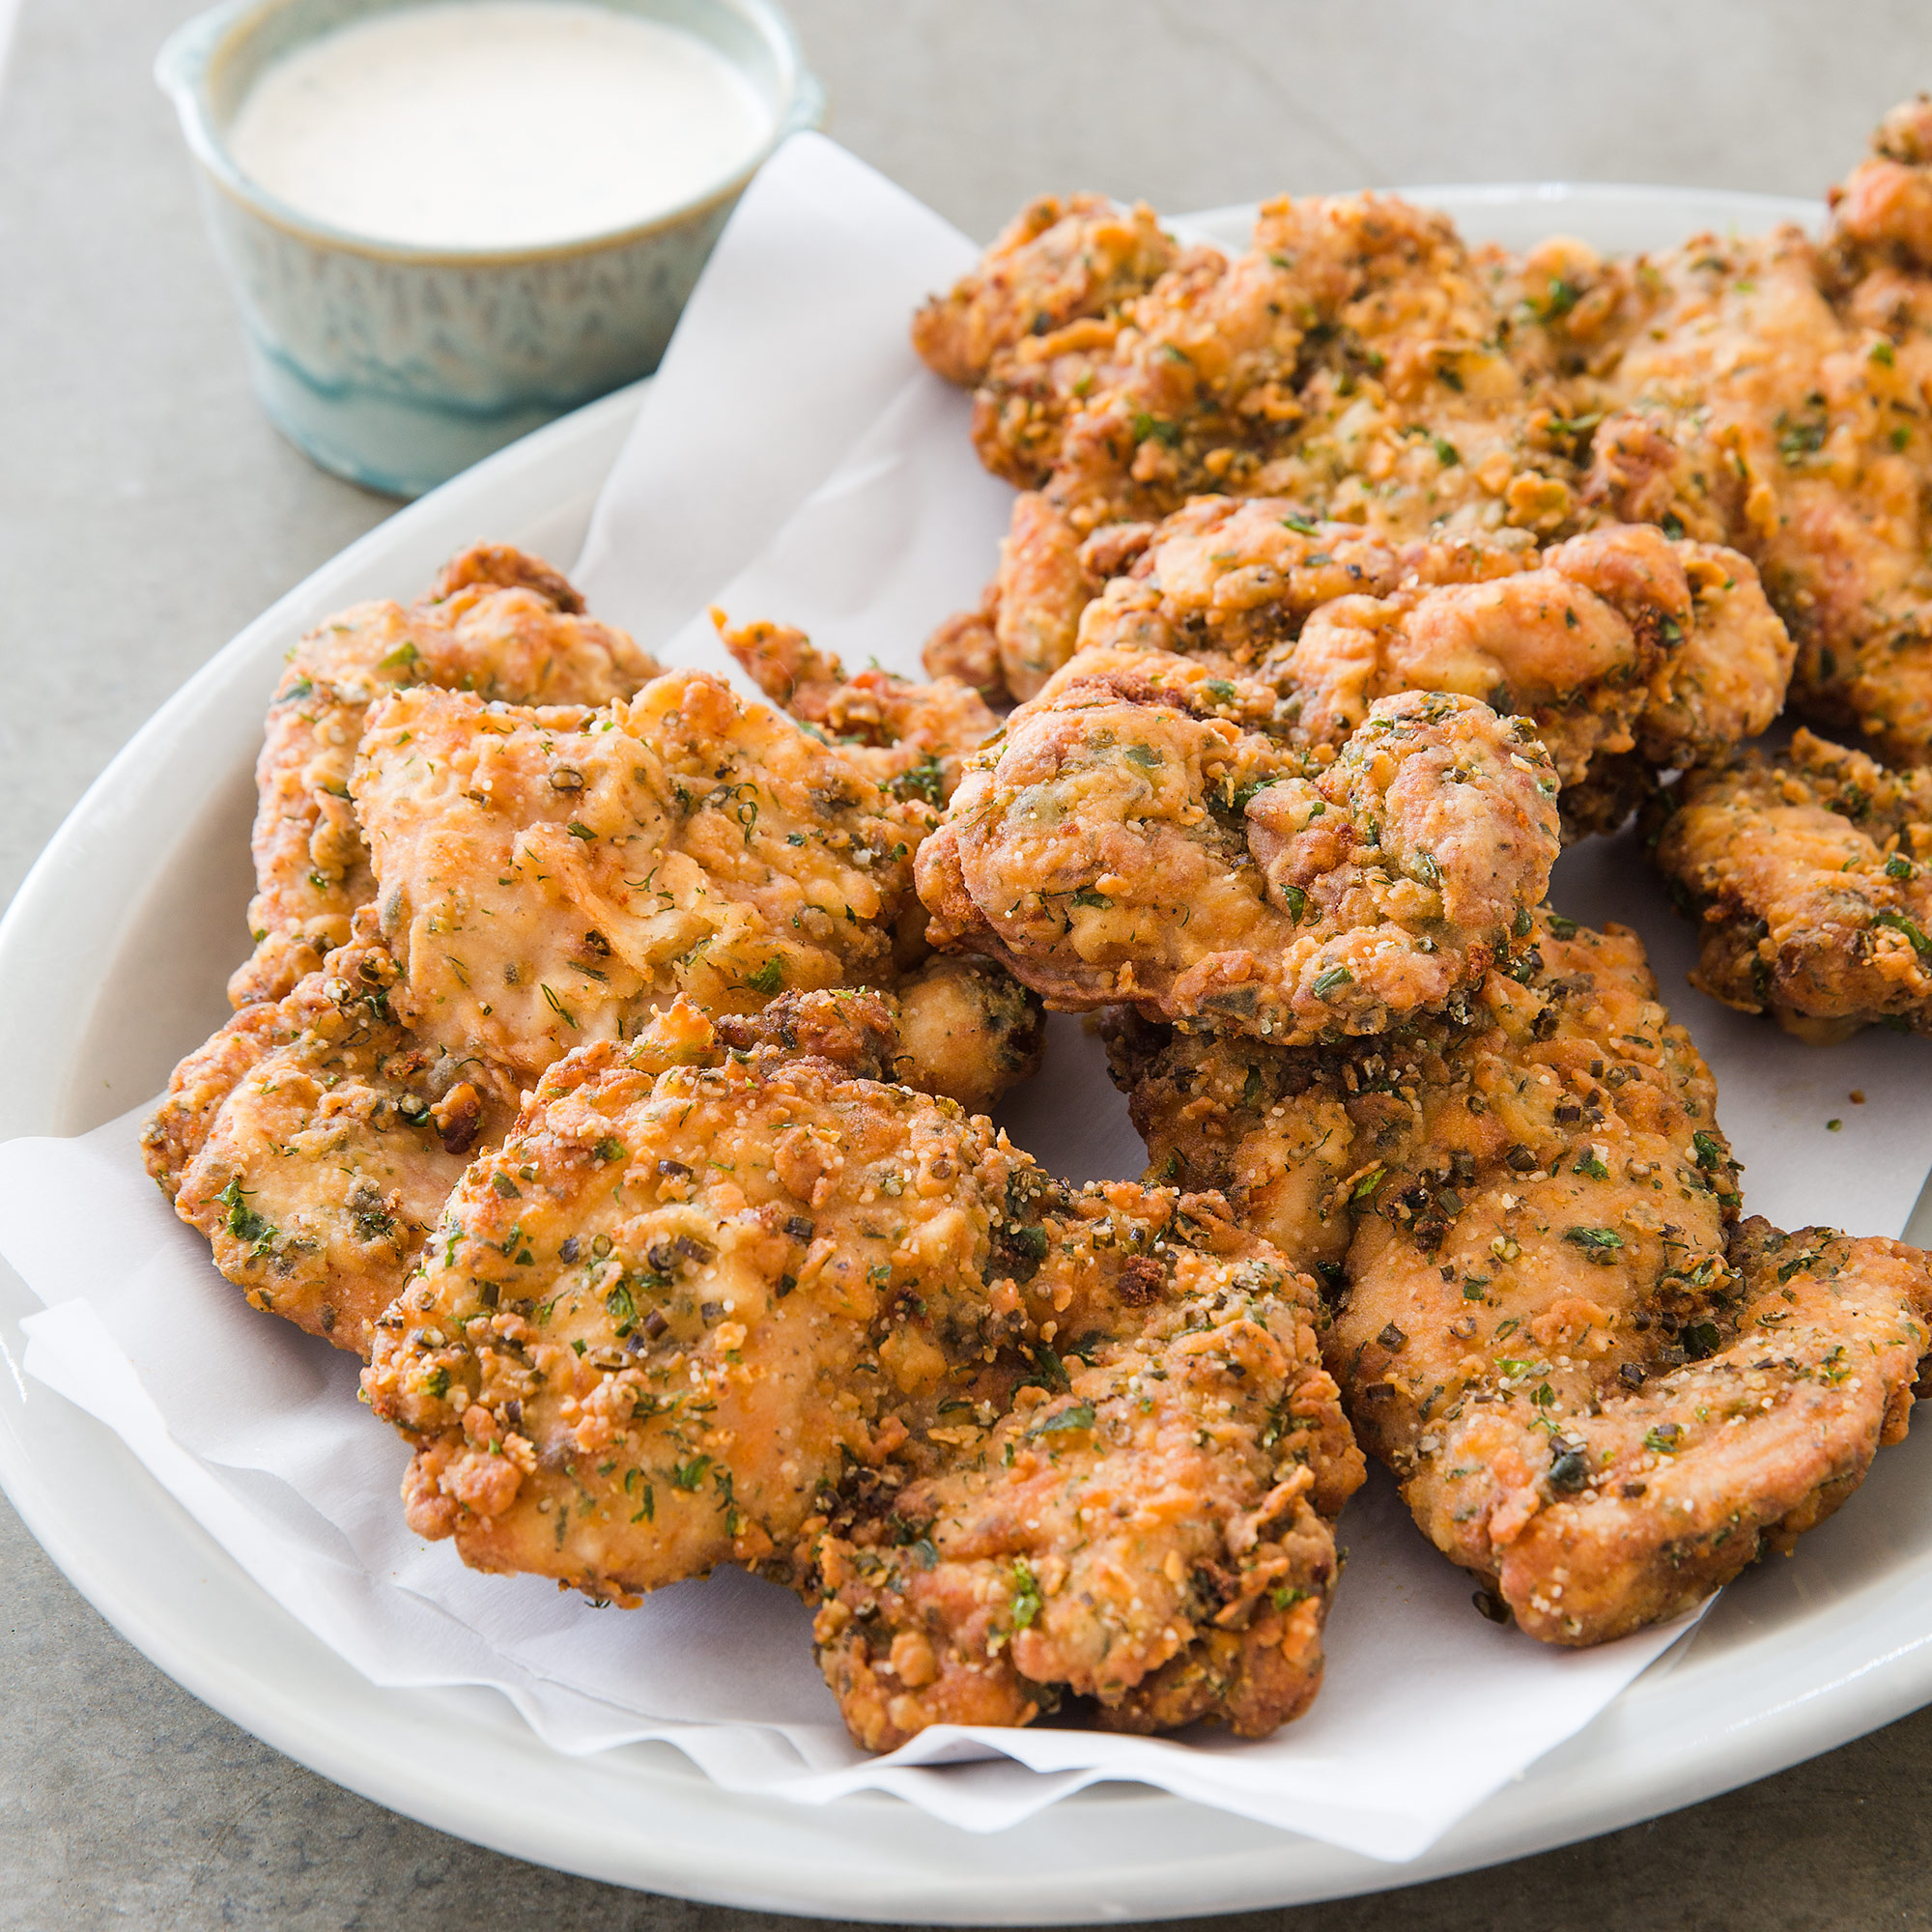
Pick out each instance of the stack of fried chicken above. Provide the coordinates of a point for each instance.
(611, 1069)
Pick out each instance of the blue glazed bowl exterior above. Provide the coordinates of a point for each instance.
(397, 366)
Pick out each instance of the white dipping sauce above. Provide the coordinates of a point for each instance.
(497, 124)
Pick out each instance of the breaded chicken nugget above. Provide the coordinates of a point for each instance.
(549, 876)
(1807, 874)
(721, 1300)
(497, 622)
(1134, 836)
(1056, 261)
(313, 1141)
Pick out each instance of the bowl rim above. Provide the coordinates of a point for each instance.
(183, 62)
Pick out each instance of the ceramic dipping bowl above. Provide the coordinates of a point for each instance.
(396, 366)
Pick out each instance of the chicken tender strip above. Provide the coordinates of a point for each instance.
(1135, 837)
(1807, 875)
(1597, 1395)
(549, 876)
(1619, 1499)
(313, 1141)
(711, 1306)
(1360, 361)
(911, 739)
(498, 622)
(1056, 261)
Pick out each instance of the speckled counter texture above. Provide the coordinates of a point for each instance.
(147, 512)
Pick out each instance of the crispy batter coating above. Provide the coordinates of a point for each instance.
(967, 1029)
(911, 739)
(1153, 1535)
(1769, 393)
(1636, 1486)
(753, 1305)
(634, 1351)
(1044, 583)
(1054, 262)
(1616, 640)
(1597, 1395)
(550, 876)
(1311, 1147)
(1135, 835)
(1807, 873)
(313, 1141)
(498, 622)
(1359, 359)
(1610, 641)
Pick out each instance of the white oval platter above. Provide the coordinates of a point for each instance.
(112, 961)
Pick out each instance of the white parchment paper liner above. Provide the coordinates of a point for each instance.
(793, 461)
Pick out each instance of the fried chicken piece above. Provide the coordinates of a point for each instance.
(1054, 262)
(313, 1141)
(909, 738)
(1612, 636)
(1613, 641)
(1359, 359)
(1616, 640)
(497, 622)
(1312, 1147)
(752, 1306)
(1041, 588)
(1597, 1394)
(1635, 1488)
(1136, 837)
(1768, 394)
(1807, 873)
(1154, 1536)
(550, 876)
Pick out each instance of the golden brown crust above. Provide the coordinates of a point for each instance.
(313, 1140)
(1614, 1502)
(548, 877)
(1042, 587)
(1133, 835)
(708, 1306)
(1151, 1535)
(1807, 875)
(497, 622)
(1057, 259)
(1767, 394)
(1598, 1394)
(909, 738)
(1616, 640)
(1358, 361)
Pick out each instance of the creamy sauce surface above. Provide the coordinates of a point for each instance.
(497, 124)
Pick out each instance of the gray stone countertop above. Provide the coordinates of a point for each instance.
(147, 511)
